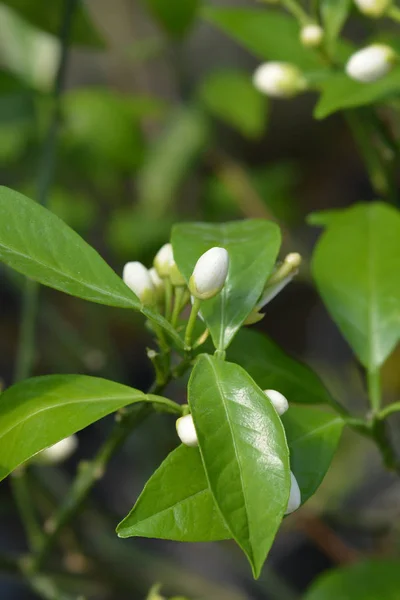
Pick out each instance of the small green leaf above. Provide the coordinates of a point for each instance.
(269, 34)
(252, 245)
(339, 91)
(334, 15)
(356, 266)
(48, 17)
(230, 96)
(176, 503)
(244, 452)
(273, 369)
(368, 580)
(38, 244)
(39, 412)
(312, 436)
(175, 16)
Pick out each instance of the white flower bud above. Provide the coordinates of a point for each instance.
(163, 260)
(186, 431)
(138, 279)
(295, 495)
(177, 279)
(278, 400)
(279, 79)
(371, 63)
(59, 451)
(311, 35)
(210, 273)
(373, 8)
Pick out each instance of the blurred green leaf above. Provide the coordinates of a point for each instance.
(16, 99)
(244, 452)
(312, 436)
(38, 244)
(271, 368)
(323, 218)
(356, 266)
(39, 412)
(253, 246)
(230, 96)
(48, 16)
(339, 91)
(169, 160)
(175, 16)
(74, 208)
(269, 34)
(368, 580)
(184, 511)
(334, 14)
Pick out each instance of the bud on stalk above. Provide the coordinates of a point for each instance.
(209, 274)
(294, 497)
(311, 35)
(279, 79)
(163, 260)
(138, 279)
(371, 63)
(186, 431)
(373, 8)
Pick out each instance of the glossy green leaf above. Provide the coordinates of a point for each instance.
(244, 452)
(175, 16)
(230, 95)
(38, 244)
(339, 91)
(334, 14)
(269, 34)
(170, 159)
(312, 436)
(271, 368)
(253, 247)
(368, 580)
(39, 412)
(48, 16)
(176, 503)
(356, 266)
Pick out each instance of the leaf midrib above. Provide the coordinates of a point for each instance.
(311, 434)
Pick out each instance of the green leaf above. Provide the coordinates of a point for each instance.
(339, 91)
(176, 503)
(244, 452)
(334, 14)
(253, 246)
(312, 436)
(39, 412)
(170, 159)
(38, 244)
(368, 580)
(229, 95)
(175, 16)
(271, 368)
(48, 17)
(16, 99)
(356, 267)
(269, 34)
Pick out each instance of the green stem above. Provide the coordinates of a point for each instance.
(374, 389)
(297, 11)
(168, 297)
(26, 341)
(23, 501)
(179, 294)
(191, 323)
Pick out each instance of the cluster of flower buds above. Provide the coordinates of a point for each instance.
(373, 8)
(187, 434)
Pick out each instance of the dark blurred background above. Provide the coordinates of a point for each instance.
(141, 147)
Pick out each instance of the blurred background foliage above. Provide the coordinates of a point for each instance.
(159, 123)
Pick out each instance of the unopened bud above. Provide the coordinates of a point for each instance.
(58, 452)
(278, 400)
(138, 279)
(295, 495)
(279, 79)
(311, 35)
(210, 273)
(371, 63)
(158, 283)
(177, 279)
(186, 431)
(163, 260)
(373, 8)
